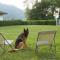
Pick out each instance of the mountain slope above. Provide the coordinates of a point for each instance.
(13, 12)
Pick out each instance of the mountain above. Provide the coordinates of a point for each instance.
(13, 12)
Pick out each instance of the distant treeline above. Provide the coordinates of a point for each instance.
(29, 22)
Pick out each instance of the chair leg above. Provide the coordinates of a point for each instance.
(3, 50)
(55, 50)
(52, 50)
(36, 49)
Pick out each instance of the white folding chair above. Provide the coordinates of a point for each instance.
(4, 42)
(46, 38)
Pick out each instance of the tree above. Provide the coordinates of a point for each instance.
(42, 10)
(39, 11)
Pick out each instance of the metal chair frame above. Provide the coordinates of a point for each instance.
(2, 44)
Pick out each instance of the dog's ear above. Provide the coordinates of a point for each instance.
(27, 29)
(24, 29)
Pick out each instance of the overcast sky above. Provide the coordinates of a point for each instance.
(17, 3)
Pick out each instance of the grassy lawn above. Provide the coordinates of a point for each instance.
(11, 32)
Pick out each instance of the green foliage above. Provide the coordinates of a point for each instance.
(11, 22)
(41, 10)
(29, 22)
(41, 22)
(57, 3)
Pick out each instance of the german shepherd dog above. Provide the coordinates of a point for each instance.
(21, 39)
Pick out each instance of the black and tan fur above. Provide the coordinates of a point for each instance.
(21, 39)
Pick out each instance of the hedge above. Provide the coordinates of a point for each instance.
(33, 22)
(42, 22)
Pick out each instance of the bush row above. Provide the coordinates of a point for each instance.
(42, 22)
(19, 22)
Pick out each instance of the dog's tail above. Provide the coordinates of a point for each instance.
(20, 46)
(13, 50)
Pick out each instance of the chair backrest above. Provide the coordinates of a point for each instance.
(3, 41)
(46, 36)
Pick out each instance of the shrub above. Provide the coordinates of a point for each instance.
(32, 22)
(42, 22)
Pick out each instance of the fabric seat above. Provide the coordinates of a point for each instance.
(43, 42)
(7, 42)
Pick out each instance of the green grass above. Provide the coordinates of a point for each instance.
(11, 32)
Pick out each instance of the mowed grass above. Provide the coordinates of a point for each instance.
(11, 33)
